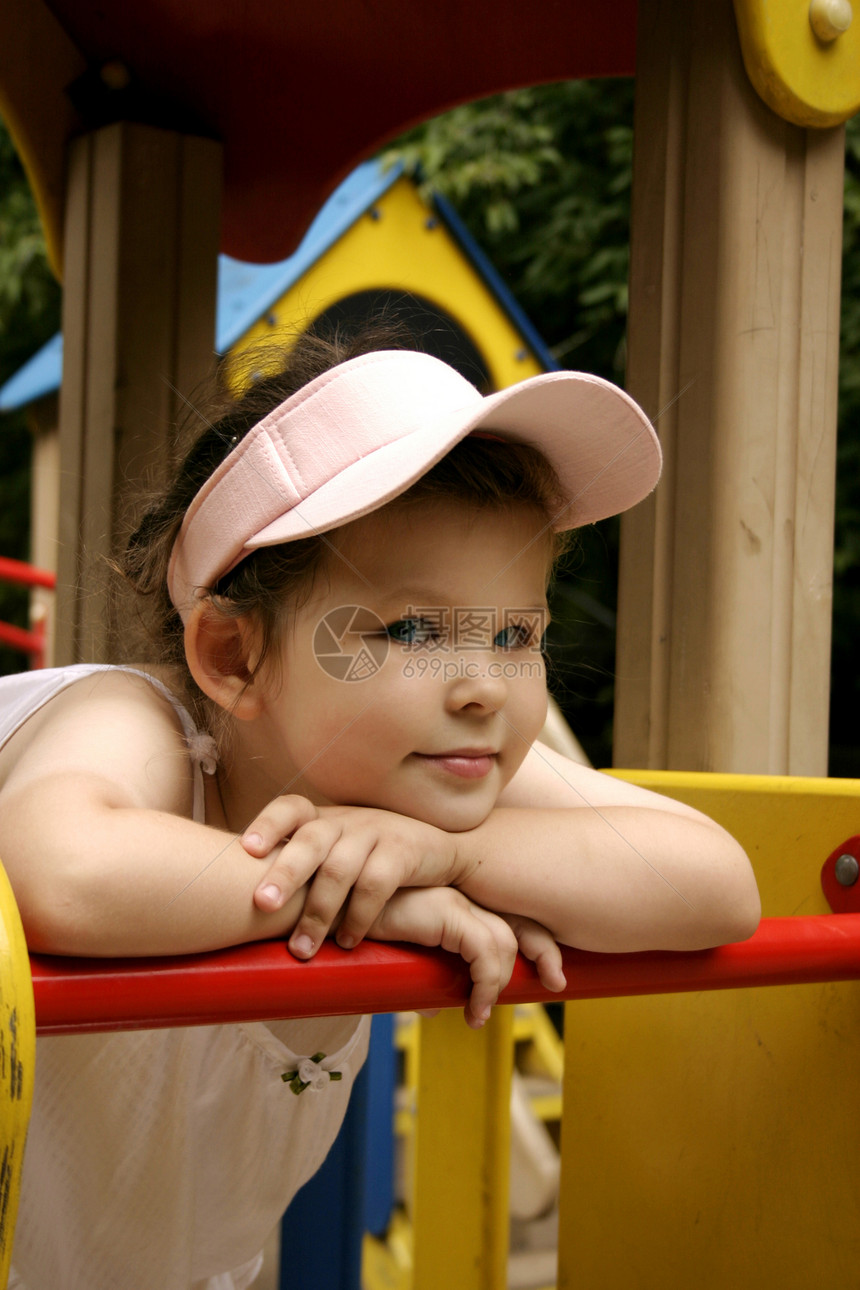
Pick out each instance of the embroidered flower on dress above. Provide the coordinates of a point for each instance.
(310, 1074)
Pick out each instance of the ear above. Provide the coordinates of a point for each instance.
(222, 653)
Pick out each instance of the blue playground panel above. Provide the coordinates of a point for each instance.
(353, 1192)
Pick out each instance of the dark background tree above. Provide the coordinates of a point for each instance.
(542, 178)
(29, 315)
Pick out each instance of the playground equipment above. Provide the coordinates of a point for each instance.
(727, 1103)
(724, 592)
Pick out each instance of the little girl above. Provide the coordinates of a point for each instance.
(351, 568)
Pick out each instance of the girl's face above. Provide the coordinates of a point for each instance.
(413, 679)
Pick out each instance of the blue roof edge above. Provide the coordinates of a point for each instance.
(39, 376)
(350, 200)
(247, 291)
(494, 280)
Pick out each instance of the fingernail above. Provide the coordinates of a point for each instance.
(345, 942)
(482, 1015)
(271, 896)
(252, 840)
(303, 946)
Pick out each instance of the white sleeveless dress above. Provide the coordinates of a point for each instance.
(162, 1159)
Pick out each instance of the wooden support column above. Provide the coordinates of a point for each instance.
(141, 246)
(725, 578)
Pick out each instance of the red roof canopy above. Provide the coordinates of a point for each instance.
(298, 94)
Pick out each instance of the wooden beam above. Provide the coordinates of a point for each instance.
(725, 578)
(142, 223)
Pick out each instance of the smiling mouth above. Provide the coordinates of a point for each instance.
(465, 763)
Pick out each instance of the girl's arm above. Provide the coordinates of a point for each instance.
(606, 865)
(96, 839)
(602, 864)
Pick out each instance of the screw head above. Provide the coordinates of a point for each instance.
(830, 18)
(847, 870)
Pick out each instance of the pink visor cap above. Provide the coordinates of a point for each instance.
(363, 432)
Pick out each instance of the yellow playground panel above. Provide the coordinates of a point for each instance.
(712, 1140)
(401, 245)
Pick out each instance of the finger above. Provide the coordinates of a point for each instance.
(381, 875)
(296, 863)
(344, 866)
(489, 946)
(277, 821)
(541, 948)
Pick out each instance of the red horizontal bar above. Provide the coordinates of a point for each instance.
(256, 982)
(26, 575)
(20, 639)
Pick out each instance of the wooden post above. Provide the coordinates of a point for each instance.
(142, 223)
(44, 511)
(725, 577)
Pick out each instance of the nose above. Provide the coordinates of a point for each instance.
(477, 686)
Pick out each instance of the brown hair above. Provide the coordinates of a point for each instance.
(479, 472)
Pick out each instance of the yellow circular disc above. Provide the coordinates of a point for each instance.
(807, 78)
(17, 1063)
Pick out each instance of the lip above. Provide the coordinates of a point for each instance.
(465, 763)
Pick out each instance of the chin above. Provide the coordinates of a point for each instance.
(455, 818)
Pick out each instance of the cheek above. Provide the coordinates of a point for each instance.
(529, 702)
(347, 728)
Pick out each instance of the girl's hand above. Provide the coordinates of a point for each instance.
(541, 948)
(445, 917)
(355, 858)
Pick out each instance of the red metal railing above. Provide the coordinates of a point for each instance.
(30, 642)
(255, 982)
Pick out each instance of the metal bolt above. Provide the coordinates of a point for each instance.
(847, 870)
(115, 75)
(830, 18)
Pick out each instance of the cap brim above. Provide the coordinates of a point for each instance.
(601, 445)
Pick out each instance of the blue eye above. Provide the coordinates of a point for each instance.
(514, 636)
(412, 631)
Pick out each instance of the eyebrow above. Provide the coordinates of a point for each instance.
(431, 598)
(430, 595)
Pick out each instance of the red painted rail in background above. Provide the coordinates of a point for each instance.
(256, 982)
(26, 575)
(32, 642)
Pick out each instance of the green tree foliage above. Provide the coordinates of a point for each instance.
(29, 294)
(29, 315)
(542, 179)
